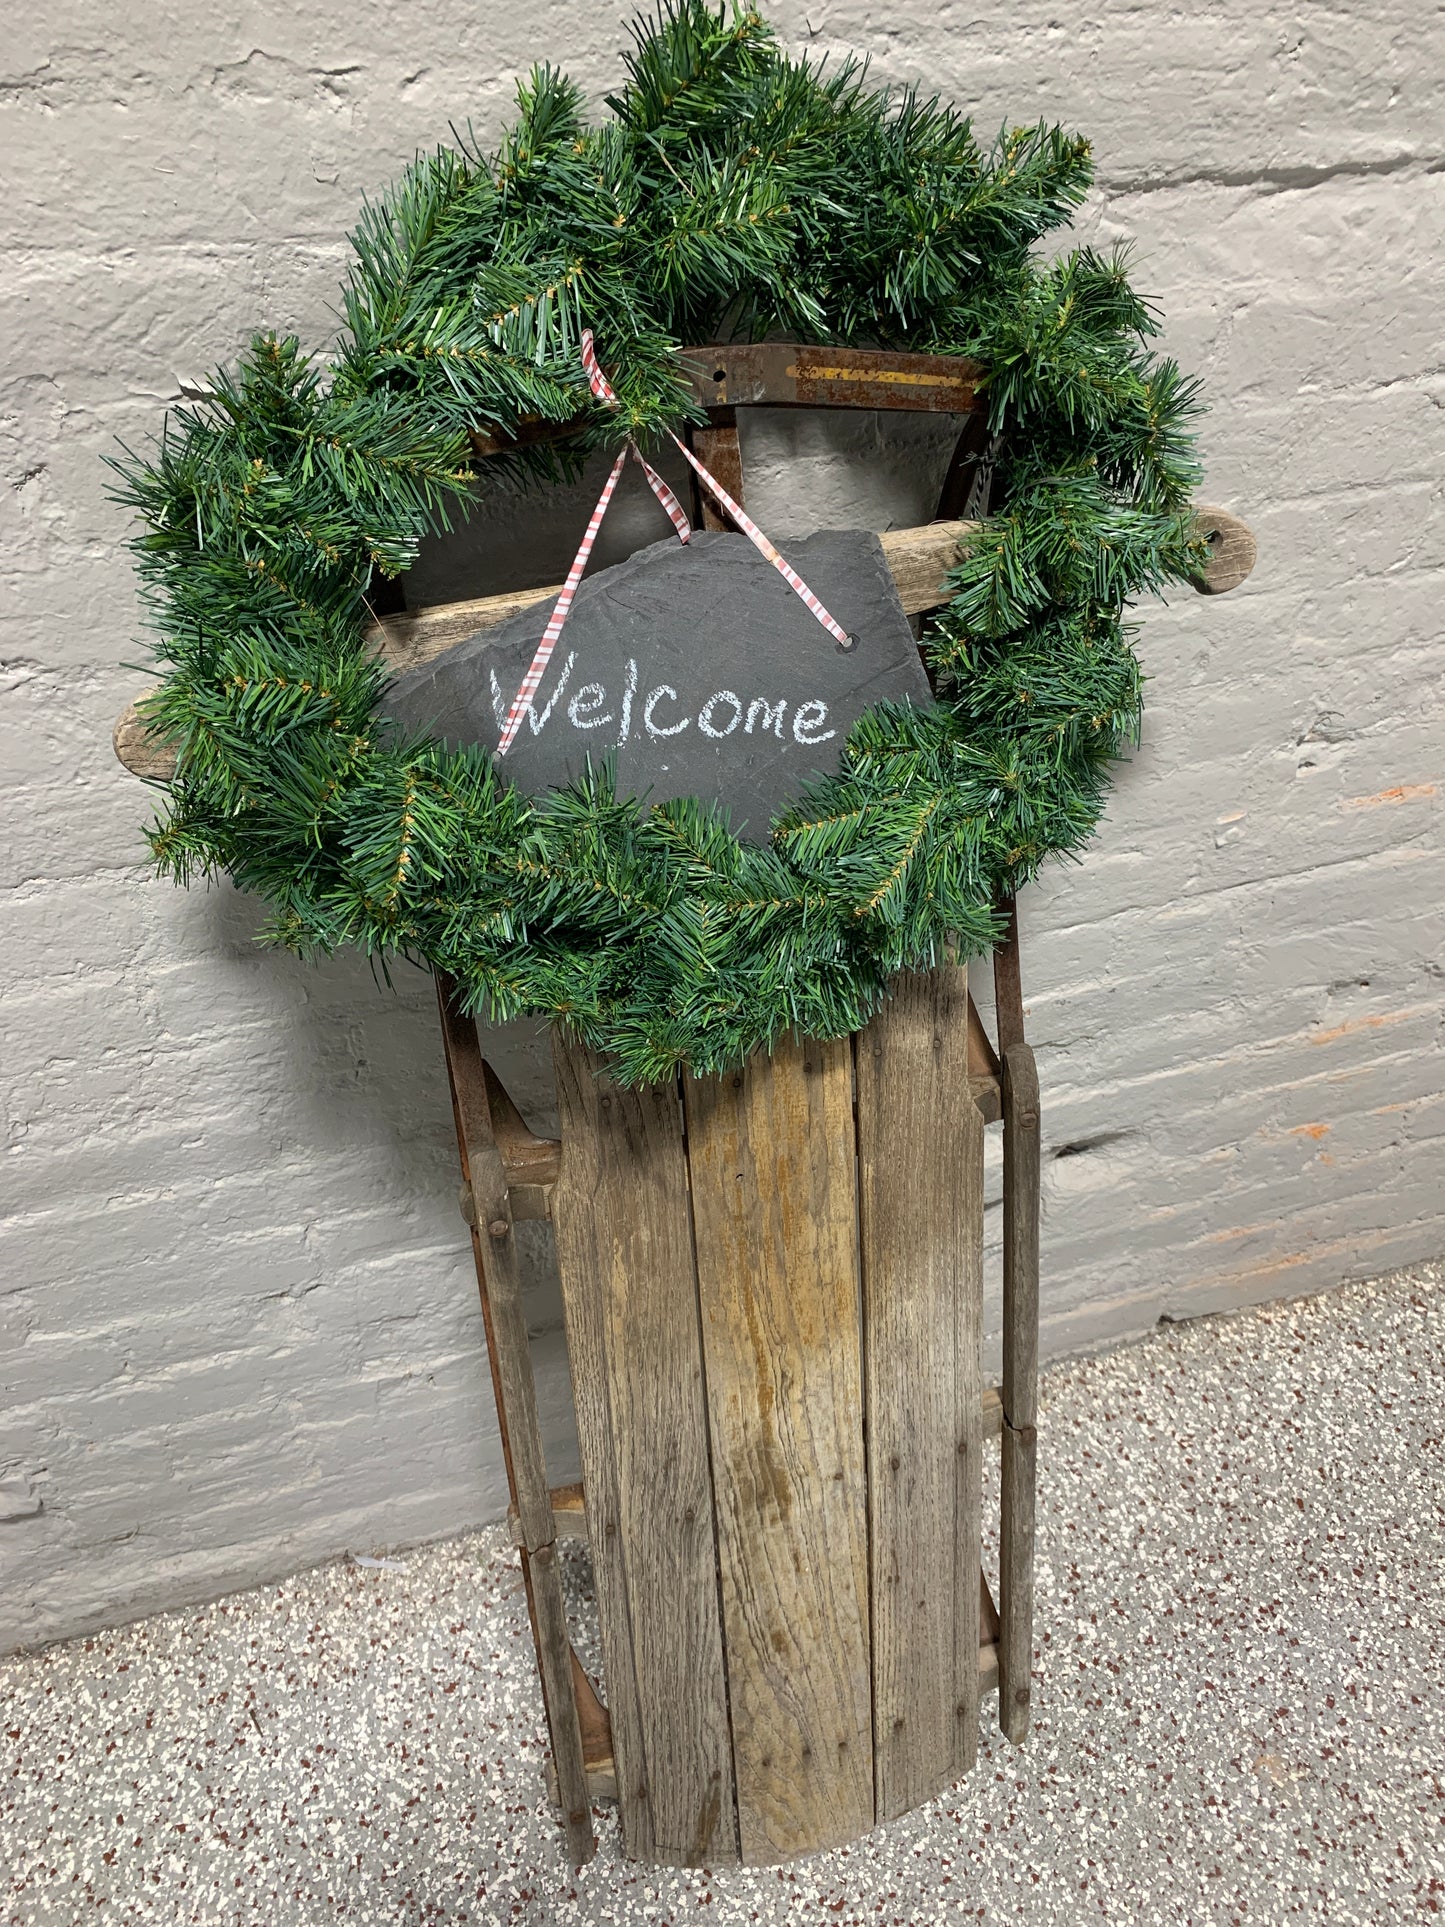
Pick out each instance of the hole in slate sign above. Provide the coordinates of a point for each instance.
(719, 374)
(1214, 538)
(848, 642)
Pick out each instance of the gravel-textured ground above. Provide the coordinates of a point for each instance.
(1240, 1707)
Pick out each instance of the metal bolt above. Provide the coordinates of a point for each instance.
(499, 1227)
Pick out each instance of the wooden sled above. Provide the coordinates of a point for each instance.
(773, 1286)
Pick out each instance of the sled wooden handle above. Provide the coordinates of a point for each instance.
(1232, 550)
(919, 560)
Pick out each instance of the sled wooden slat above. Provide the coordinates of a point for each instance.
(624, 1246)
(920, 1219)
(585, 1274)
(771, 1150)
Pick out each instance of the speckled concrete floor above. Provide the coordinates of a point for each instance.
(1240, 1714)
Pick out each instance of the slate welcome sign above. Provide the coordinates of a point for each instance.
(695, 666)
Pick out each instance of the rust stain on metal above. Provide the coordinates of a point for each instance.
(784, 374)
(904, 377)
(490, 439)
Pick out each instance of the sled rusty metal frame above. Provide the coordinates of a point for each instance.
(747, 1802)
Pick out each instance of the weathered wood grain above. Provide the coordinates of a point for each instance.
(569, 1514)
(585, 1262)
(137, 750)
(624, 1248)
(596, 1730)
(569, 1510)
(408, 641)
(494, 1252)
(771, 1153)
(526, 1158)
(1020, 1385)
(919, 561)
(529, 1161)
(920, 1222)
(987, 1670)
(984, 1071)
(594, 1720)
(1008, 993)
(1233, 550)
(987, 1613)
(982, 1057)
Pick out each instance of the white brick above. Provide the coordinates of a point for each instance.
(239, 1322)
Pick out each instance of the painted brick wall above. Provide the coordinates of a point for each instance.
(239, 1329)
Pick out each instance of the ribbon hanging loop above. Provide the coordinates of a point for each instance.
(604, 392)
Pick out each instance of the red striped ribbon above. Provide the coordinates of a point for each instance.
(602, 389)
(664, 495)
(538, 668)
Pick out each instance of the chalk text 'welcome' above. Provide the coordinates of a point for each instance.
(659, 713)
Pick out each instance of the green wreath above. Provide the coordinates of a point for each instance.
(734, 193)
